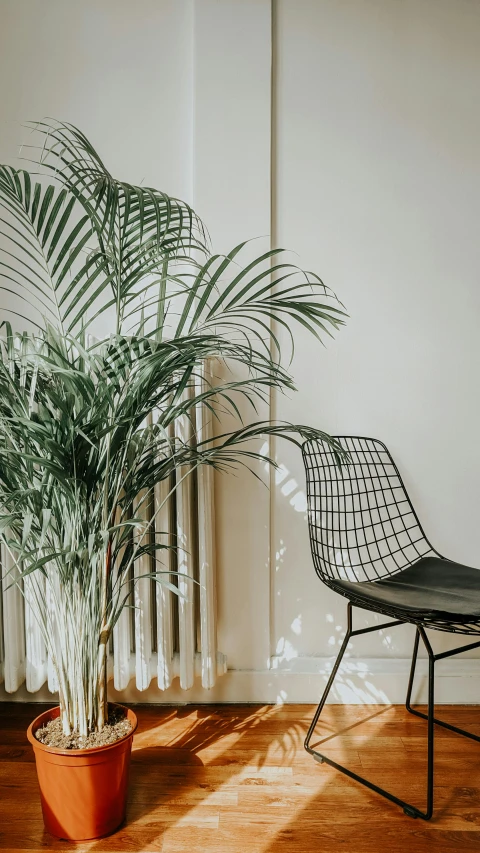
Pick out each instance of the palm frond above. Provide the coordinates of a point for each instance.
(80, 453)
(136, 227)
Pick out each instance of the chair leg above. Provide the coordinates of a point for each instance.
(330, 681)
(412, 673)
(420, 713)
(409, 809)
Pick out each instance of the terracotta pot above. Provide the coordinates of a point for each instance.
(83, 791)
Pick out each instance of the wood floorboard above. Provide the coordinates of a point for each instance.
(236, 779)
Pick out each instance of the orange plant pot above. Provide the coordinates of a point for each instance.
(83, 791)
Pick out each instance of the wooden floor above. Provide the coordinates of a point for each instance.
(236, 779)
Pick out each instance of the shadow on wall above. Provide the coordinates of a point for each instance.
(329, 640)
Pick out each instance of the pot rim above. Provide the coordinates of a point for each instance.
(43, 747)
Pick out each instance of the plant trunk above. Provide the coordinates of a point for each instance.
(102, 648)
(102, 717)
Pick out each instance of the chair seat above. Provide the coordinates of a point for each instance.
(430, 588)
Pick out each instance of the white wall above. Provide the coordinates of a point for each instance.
(232, 82)
(378, 188)
(370, 129)
(121, 71)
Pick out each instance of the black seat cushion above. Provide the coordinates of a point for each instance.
(431, 587)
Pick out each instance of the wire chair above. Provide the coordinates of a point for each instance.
(368, 545)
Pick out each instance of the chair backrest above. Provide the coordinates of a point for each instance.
(362, 524)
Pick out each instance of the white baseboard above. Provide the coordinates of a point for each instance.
(359, 681)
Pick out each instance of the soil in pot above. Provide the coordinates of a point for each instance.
(118, 726)
(83, 790)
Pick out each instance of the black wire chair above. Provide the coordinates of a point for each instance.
(368, 545)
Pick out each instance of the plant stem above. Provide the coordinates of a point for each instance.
(102, 716)
(102, 647)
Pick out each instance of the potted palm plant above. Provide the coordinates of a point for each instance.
(123, 301)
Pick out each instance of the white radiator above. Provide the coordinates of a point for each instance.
(167, 635)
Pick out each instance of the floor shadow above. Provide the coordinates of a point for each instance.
(344, 815)
(186, 757)
(182, 758)
(231, 779)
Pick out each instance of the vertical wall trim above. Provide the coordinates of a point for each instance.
(191, 105)
(273, 393)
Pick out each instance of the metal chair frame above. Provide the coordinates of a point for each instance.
(328, 498)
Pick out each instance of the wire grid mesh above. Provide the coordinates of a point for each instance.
(362, 524)
(363, 527)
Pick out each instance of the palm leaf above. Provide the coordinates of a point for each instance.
(136, 227)
(47, 254)
(80, 452)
